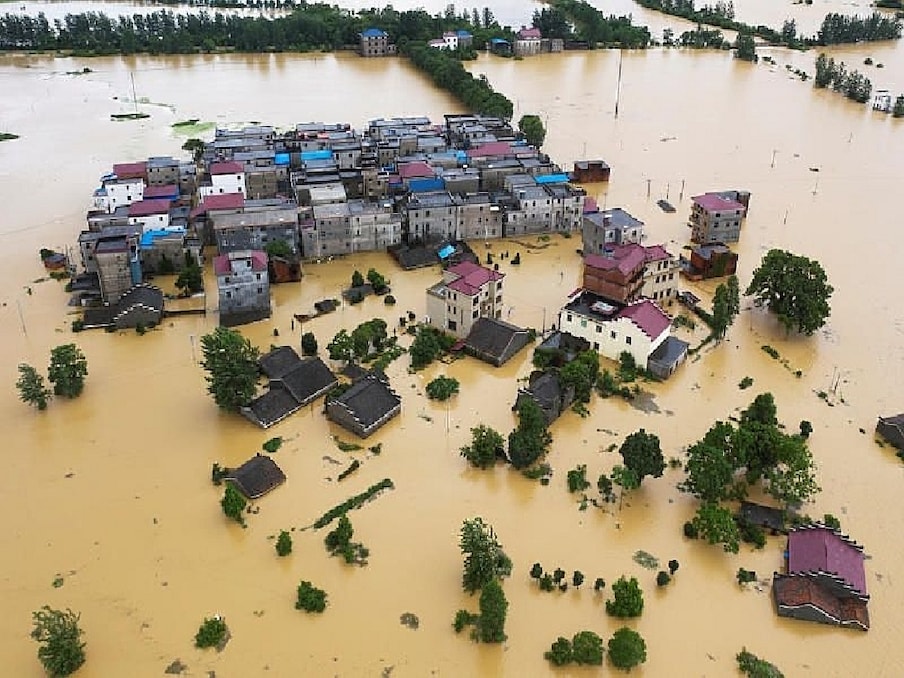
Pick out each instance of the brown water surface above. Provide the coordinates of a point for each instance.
(112, 492)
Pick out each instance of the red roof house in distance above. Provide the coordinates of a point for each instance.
(416, 170)
(218, 168)
(493, 149)
(131, 170)
(467, 292)
(825, 580)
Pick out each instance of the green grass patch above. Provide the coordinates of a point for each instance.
(353, 503)
(192, 128)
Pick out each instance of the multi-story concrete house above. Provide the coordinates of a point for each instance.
(660, 275)
(528, 41)
(225, 177)
(718, 217)
(118, 266)
(252, 230)
(611, 328)
(533, 213)
(243, 286)
(373, 226)
(374, 42)
(467, 292)
(150, 214)
(478, 216)
(326, 232)
(163, 171)
(431, 217)
(117, 192)
(625, 273)
(567, 213)
(610, 227)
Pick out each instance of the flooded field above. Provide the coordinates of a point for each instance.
(111, 492)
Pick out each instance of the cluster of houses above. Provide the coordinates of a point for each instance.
(375, 42)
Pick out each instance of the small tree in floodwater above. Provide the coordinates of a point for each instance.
(61, 649)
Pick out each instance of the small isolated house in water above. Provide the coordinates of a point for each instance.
(825, 580)
(892, 430)
(545, 389)
(666, 358)
(294, 382)
(257, 476)
(495, 341)
(772, 519)
(365, 406)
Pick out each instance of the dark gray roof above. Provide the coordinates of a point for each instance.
(369, 399)
(764, 516)
(279, 361)
(354, 372)
(545, 389)
(670, 351)
(146, 295)
(257, 476)
(495, 340)
(325, 306)
(416, 257)
(271, 407)
(307, 380)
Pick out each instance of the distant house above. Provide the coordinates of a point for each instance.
(892, 430)
(825, 580)
(500, 46)
(225, 177)
(610, 227)
(118, 265)
(718, 217)
(712, 260)
(294, 383)
(365, 406)
(244, 287)
(528, 41)
(612, 328)
(882, 101)
(495, 341)
(545, 389)
(590, 171)
(374, 42)
(256, 477)
(467, 292)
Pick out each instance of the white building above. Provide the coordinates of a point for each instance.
(115, 192)
(882, 101)
(151, 215)
(638, 328)
(225, 177)
(467, 292)
(373, 226)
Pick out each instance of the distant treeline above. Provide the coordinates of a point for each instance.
(836, 28)
(853, 84)
(447, 73)
(314, 27)
(577, 20)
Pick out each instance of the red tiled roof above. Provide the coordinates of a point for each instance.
(471, 277)
(411, 170)
(793, 592)
(226, 168)
(130, 170)
(492, 148)
(530, 33)
(219, 201)
(713, 202)
(144, 208)
(161, 191)
(222, 264)
(590, 205)
(625, 258)
(656, 253)
(815, 549)
(648, 317)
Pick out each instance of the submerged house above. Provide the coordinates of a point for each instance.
(545, 389)
(294, 383)
(825, 580)
(892, 430)
(256, 477)
(365, 406)
(495, 341)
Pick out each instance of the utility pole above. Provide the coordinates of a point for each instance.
(772, 164)
(667, 187)
(618, 83)
(681, 194)
(648, 188)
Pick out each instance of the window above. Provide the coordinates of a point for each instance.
(453, 325)
(628, 340)
(583, 323)
(229, 295)
(475, 314)
(596, 346)
(568, 317)
(612, 334)
(671, 276)
(498, 298)
(476, 299)
(599, 328)
(260, 290)
(258, 276)
(227, 280)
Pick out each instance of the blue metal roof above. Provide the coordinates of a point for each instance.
(373, 33)
(149, 236)
(498, 41)
(446, 252)
(463, 34)
(281, 159)
(425, 185)
(552, 179)
(317, 155)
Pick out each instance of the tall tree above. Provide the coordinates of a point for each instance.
(32, 389)
(484, 559)
(627, 649)
(642, 454)
(231, 364)
(493, 608)
(61, 649)
(533, 130)
(530, 440)
(711, 464)
(793, 287)
(745, 47)
(67, 371)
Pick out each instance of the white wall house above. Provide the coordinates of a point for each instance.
(467, 292)
(150, 214)
(115, 192)
(225, 177)
(611, 329)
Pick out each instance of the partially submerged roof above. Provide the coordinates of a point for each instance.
(257, 476)
(817, 548)
(369, 399)
(279, 361)
(307, 380)
(495, 340)
(271, 407)
(764, 516)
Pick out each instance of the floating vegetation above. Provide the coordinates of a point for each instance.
(353, 503)
(354, 466)
(272, 445)
(192, 127)
(410, 620)
(746, 382)
(185, 123)
(647, 560)
(8, 136)
(344, 446)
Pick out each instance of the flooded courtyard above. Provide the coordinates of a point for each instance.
(111, 492)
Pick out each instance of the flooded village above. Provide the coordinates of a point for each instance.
(113, 511)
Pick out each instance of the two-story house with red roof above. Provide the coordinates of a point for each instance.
(468, 291)
(225, 177)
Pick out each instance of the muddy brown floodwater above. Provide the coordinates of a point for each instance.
(111, 492)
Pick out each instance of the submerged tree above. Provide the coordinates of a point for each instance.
(61, 649)
(627, 649)
(642, 455)
(67, 371)
(493, 609)
(627, 598)
(231, 364)
(486, 446)
(793, 287)
(32, 389)
(533, 130)
(716, 524)
(530, 440)
(484, 559)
